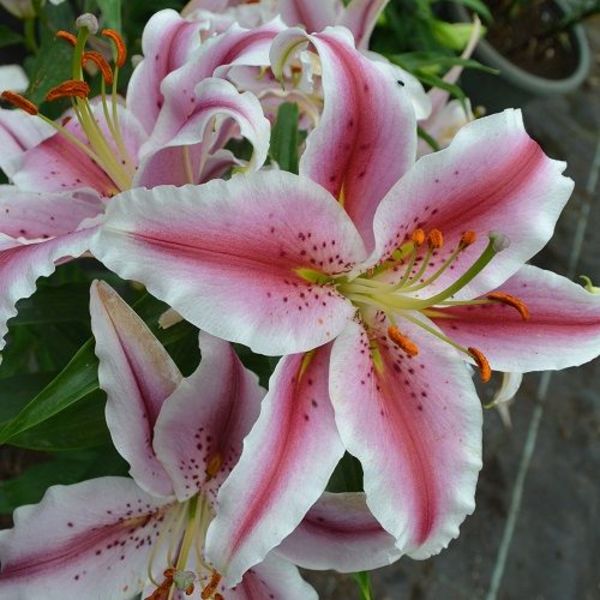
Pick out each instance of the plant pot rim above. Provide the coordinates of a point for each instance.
(524, 79)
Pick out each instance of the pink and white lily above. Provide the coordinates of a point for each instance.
(115, 537)
(64, 173)
(380, 279)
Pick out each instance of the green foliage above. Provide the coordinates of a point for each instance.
(285, 138)
(111, 13)
(363, 579)
(8, 37)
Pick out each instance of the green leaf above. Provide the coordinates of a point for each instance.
(8, 37)
(111, 11)
(80, 426)
(347, 476)
(78, 380)
(285, 138)
(452, 35)
(413, 61)
(363, 579)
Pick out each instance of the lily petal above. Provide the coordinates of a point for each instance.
(367, 118)
(273, 578)
(19, 132)
(90, 540)
(360, 17)
(236, 46)
(58, 164)
(137, 375)
(563, 329)
(213, 97)
(415, 425)
(287, 461)
(22, 264)
(199, 433)
(314, 15)
(167, 41)
(339, 532)
(35, 215)
(227, 257)
(492, 177)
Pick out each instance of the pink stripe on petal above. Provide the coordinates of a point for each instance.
(90, 540)
(137, 375)
(415, 425)
(287, 461)
(41, 215)
(360, 17)
(201, 428)
(339, 532)
(367, 118)
(225, 258)
(213, 98)
(236, 46)
(167, 41)
(274, 578)
(314, 15)
(492, 177)
(22, 264)
(563, 329)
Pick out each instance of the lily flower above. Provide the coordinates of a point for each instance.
(381, 280)
(114, 537)
(64, 173)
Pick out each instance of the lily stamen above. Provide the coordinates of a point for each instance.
(67, 37)
(100, 62)
(211, 588)
(19, 102)
(483, 364)
(403, 341)
(510, 300)
(72, 88)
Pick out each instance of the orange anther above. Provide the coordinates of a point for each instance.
(468, 238)
(435, 238)
(479, 357)
(101, 63)
(219, 596)
(214, 465)
(20, 102)
(73, 88)
(403, 341)
(511, 300)
(418, 237)
(211, 588)
(67, 36)
(116, 38)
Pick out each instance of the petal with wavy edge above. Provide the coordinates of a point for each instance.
(19, 132)
(273, 578)
(21, 264)
(367, 118)
(90, 540)
(200, 430)
(225, 259)
(213, 98)
(492, 177)
(563, 315)
(35, 215)
(339, 532)
(415, 425)
(58, 164)
(314, 15)
(287, 461)
(137, 375)
(167, 41)
(360, 17)
(236, 46)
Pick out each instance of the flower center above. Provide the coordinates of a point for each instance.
(181, 539)
(103, 144)
(402, 295)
